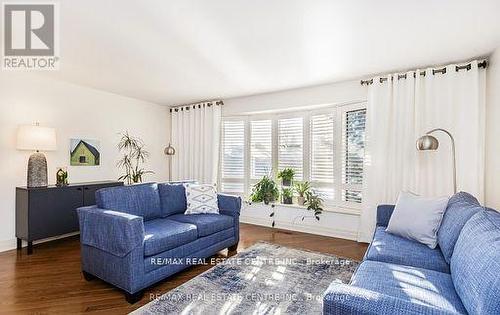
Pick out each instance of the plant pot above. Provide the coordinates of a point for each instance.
(286, 182)
(287, 200)
(301, 200)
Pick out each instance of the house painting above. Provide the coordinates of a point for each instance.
(83, 153)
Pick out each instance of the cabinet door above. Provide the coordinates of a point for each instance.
(53, 211)
(89, 195)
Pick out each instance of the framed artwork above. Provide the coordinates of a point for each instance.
(85, 152)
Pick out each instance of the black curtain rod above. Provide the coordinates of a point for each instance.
(199, 105)
(482, 64)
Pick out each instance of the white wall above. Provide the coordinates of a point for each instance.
(335, 222)
(337, 93)
(492, 176)
(75, 112)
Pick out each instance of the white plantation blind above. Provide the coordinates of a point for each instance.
(233, 156)
(322, 154)
(290, 145)
(353, 139)
(260, 148)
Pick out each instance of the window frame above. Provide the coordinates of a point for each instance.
(339, 116)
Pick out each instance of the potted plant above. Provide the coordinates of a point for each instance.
(134, 155)
(286, 196)
(286, 176)
(314, 203)
(302, 188)
(266, 190)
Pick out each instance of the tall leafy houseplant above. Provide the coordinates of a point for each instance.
(134, 155)
(286, 176)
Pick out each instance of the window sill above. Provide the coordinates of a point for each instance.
(326, 208)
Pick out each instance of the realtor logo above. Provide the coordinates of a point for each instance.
(30, 37)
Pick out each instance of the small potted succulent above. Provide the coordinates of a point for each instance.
(302, 188)
(266, 190)
(286, 196)
(286, 176)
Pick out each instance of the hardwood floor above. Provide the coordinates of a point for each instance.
(50, 281)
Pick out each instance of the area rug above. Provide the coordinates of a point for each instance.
(263, 279)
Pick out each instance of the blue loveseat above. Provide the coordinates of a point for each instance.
(400, 276)
(138, 235)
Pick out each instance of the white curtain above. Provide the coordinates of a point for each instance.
(196, 137)
(405, 107)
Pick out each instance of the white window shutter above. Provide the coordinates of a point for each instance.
(233, 156)
(290, 145)
(322, 156)
(260, 148)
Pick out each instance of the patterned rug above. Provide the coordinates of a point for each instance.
(263, 279)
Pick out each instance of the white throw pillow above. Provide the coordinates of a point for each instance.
(201, 199)
(417, 218)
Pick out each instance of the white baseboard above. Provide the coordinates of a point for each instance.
(12, 243)
(305, 228)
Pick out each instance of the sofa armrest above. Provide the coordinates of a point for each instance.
(117, 233)
(229, 205)
(384, 213)
(343, 299)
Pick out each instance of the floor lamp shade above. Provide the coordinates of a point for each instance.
(36, 138)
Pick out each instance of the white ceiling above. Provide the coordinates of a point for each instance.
(173, 52)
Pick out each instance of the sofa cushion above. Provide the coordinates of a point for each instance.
(173, 199)
(141, 200)
(416, 285)
(164, 234)
(179, 254)
(418, 218)
(390, 248)
(475, 263)
(461, 207)
(206, 223)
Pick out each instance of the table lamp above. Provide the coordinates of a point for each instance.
(36, 138)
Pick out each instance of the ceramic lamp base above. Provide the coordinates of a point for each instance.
(37, 170)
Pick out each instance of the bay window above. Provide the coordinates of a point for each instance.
(324, 147)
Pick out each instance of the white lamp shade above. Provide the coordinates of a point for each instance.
(36, 138)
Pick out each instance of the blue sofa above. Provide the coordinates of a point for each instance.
(138, 235)
(400, 276)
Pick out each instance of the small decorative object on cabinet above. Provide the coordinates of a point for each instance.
(51, 211)
(62, 176)
(36, 138)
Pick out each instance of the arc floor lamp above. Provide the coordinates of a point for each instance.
(170, 152)
(430, 143)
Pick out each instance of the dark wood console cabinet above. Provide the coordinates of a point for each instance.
(51, 211)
